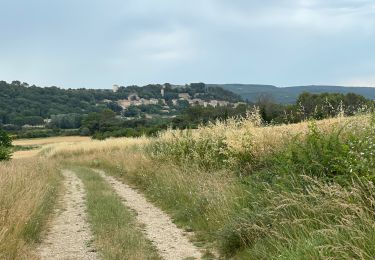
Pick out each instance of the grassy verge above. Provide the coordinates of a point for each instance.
(117, 236)
(28, 192)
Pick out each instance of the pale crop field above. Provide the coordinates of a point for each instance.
(50, 140)
(90, 146)
(37, 144)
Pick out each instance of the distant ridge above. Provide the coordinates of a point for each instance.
(286, 95)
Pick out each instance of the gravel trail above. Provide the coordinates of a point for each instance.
(171, 242)
(69, 236)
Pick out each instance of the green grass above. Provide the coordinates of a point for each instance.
(117, 235)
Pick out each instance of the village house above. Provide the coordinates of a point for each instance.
(184, 96)
(124, 103)
(239, 103)
(154, 101)
(222, 103)
(196, 101)
(213, 103)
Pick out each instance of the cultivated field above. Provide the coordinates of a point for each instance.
(235, 189)
(31, 147)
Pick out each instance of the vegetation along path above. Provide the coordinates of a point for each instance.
(171, 241)
(69, 236)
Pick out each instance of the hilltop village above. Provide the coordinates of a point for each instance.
(168, 103)
(135, 100)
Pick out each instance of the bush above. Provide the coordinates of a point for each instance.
(319, 154)
(339, 155)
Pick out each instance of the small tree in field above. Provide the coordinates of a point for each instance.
(5, 146)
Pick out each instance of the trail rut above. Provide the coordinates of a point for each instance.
(171, 241)
(69, 236)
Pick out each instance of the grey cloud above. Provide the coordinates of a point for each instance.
(97, 43)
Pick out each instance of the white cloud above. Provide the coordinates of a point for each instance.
(282, 41)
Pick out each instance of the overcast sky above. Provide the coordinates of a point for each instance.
(97, 43)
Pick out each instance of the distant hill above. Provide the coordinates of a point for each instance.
(22, 104)
(285, 95)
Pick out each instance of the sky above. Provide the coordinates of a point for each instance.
(98, 43)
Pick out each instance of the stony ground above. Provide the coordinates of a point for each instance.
(171, 242)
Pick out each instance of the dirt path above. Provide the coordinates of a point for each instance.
(171, 241)
(69, 236)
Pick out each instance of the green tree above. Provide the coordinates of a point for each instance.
(5, 146)
(99, 122)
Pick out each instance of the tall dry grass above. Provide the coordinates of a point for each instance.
(227, 138)
(240, 143)
(28, 190)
